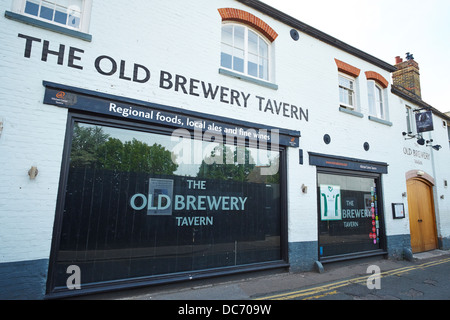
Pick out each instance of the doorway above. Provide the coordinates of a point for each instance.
(422, 219)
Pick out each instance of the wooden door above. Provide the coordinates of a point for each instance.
(421, 216)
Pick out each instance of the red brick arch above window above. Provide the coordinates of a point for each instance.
(347, 68)
(231, 14)
(372, 75)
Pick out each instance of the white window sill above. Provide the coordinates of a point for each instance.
(48, 26)
(385, 122)
(350, 111)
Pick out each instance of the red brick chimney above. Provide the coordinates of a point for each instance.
(398, 60)
(407, 75)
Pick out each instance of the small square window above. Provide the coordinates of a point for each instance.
(46, 12)
(32, 8)
(61, 17)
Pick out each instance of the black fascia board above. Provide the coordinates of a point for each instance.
(315, 33)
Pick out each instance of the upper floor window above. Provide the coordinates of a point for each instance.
(410, 121)
(376, 86)
(348, 86)
(67, 13)
(245, 51)
(376, 100)
(347, 91)
(68, 17)
(448, 130)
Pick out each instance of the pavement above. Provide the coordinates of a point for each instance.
(272, 285)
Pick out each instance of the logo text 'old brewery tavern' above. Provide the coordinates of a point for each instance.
(161, 202)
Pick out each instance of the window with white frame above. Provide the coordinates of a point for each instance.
(67, 13)
(347, 91)
(245, 51)
(376, 100)
(448, 131)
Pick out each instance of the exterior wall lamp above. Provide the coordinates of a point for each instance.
(33, 172)
(421, 141)
(436, 147)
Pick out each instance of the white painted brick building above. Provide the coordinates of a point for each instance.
(171, 57)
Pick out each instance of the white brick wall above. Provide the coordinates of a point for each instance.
(33, 135)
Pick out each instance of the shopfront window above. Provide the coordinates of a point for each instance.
(131, 210)
(349, 214)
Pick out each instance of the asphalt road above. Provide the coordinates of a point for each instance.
(425, 278)
(423, 281)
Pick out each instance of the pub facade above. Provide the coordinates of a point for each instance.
(183, 141)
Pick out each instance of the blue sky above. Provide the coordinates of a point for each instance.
(386, 29)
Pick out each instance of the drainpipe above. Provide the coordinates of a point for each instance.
(435, 193)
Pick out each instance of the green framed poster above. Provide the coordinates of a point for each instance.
(330, 202)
